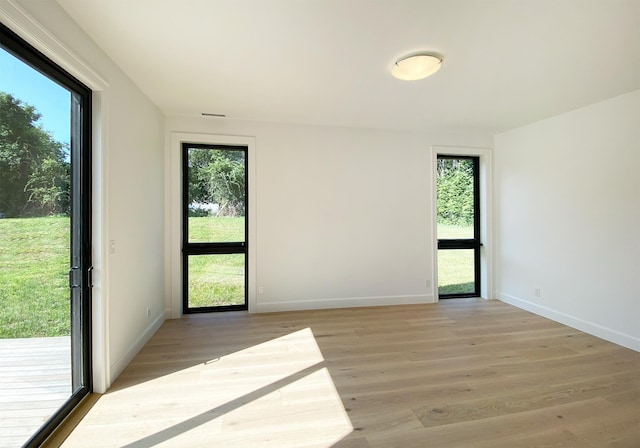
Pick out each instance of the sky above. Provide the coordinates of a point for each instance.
(51, 100)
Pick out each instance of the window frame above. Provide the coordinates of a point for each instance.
(474, 243)
(212, 248)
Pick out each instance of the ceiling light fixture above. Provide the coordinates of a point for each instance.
(417, 66)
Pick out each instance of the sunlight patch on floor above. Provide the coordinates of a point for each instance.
(274, 394)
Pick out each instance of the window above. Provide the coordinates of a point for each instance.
(45, 294)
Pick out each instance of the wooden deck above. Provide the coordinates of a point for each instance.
(35, 380)
(462, 373)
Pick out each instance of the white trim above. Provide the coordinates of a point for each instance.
(29, 29)
(173, 263)
(486, 215)
(100, 258)
(609, 334)
(352, 302)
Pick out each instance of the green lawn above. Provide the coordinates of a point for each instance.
(213, 229)
(216, 280)
(34, 293)
(449, 231)
(455, 267)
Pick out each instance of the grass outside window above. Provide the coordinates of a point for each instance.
(34, 285)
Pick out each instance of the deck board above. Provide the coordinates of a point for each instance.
(35, 380)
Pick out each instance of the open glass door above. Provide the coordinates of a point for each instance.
(458, 228)
(45, 243)
(214, 227)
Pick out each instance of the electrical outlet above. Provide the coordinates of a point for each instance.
(536, 292)
(112, 246)
(148, 312)
(427, 283)
(260, 290)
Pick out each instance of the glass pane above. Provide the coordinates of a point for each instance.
(456, 271)
(216, 280)
(216, 196)
(216, 229)
(455, 198)
(35, 325)
(450, 231)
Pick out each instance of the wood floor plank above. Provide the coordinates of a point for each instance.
(461, 373)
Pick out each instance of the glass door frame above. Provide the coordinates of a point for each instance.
(466, 243)
(212, 248)
(80, 282)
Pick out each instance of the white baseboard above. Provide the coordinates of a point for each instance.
(317, 304)
(119, 366)
(594, 329)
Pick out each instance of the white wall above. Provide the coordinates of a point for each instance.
(568, 218)
(344, 216)
(128, 187)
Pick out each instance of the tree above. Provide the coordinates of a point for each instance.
(225, 184)
(34, 168)
(455, 191)
(217, 176)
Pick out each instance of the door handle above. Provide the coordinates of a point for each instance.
(73, 274)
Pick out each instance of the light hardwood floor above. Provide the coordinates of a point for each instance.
(461, 373)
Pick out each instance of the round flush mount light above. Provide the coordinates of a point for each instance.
(415, 67)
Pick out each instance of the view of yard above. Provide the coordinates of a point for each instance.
(456, 217)
(34, 285)
(216, 280)
(219, 229)
(455, 267)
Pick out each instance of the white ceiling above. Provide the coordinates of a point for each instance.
(507, 62)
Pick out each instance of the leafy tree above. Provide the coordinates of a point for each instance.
(34, 171)
(218, 177)
(455, 191)
(49, 187)
(225, 180)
